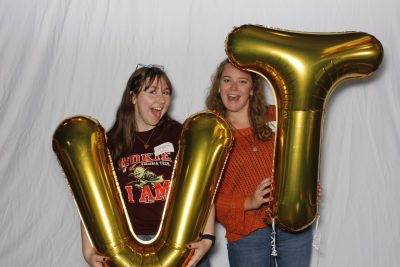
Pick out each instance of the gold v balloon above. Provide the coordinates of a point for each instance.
(80, 145)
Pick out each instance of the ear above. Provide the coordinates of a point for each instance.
(134, 99)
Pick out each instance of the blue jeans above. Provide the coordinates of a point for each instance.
(204, 262)
(254, 250)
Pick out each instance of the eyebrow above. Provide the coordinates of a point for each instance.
(227, 76)
(156, 87)
(151, 87)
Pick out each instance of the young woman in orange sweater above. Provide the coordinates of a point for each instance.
(244, 191)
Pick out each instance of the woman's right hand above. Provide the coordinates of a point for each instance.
(261, 195)
(96, 260)
(90, 254)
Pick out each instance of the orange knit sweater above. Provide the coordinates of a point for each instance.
(243, 172)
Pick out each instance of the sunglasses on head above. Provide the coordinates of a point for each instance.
(138, 66)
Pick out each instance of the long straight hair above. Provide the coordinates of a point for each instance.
(121, 136)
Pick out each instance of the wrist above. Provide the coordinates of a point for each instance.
(248, 204)
(209, 237)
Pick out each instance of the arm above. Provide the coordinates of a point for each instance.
(203, 246)
(89, 252)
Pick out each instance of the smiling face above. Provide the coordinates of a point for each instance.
(235, 88)
(151, 104)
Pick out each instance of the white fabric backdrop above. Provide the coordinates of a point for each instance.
(63, 58)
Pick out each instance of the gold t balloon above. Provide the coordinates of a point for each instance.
(303, 70)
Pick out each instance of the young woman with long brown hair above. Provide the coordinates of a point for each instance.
(244, 191)
(143, 143)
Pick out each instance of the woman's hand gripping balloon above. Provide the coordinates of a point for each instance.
(204, 245)
(261, 195)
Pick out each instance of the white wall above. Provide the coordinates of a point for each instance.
(63, 58)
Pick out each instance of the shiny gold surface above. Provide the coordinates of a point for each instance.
(303, 70)
(205, 141)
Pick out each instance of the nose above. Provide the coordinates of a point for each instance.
(161, 98)
(234, 85)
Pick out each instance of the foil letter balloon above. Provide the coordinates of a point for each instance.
(80, 145)
(303, 70)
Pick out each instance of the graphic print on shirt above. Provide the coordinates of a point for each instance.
(145, 177)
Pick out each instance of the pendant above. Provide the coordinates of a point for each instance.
(146, 146)
(254, 148)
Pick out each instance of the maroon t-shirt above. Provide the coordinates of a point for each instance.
(144, 176)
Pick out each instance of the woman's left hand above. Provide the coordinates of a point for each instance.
(200, 249)
(319, 192)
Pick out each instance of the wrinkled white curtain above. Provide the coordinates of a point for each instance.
(69, 57)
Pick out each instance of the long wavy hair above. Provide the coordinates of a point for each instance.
(257, 105)
(121, 136)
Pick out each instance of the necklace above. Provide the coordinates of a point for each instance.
(145, 144)
(252, 142)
